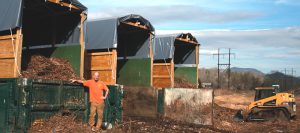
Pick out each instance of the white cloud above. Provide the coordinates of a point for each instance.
(177, 13)
(118, 3)
(246, 39)
(287, 2)
(167, 32)
(207, 51)
(249, 45)
(98, 15)
(284, 1)
(278, 56)
(281, 1)
(294, 53)
(261, 48)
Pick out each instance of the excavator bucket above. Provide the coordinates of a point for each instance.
(238, 117)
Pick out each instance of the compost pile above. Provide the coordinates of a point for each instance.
(141, 125)
(223, 123)
(182, 83)
(41, 67)
(67, 124)
(63, 122)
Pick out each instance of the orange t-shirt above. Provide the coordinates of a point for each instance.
(96, 90)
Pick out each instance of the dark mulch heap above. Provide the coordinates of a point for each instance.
(63, 122)
(223, 122)
(182, 83)
(41, 67)
(67, 124)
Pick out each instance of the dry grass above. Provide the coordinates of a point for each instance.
(233, 99)
(229, 101)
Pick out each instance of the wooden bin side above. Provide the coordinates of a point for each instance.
(103, 62)
(10, 54)
(151, 37)
(61, 3)
(163, 75)
(82, 44)
(197, 63)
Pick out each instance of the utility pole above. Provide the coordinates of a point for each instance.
(285, 71)
(293, 71)
(225, 64)
(218, 67)
(229, 64)
(285, 79)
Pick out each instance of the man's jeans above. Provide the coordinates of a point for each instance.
(96, 107)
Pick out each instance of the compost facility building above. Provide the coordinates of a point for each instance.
(52, 28)
(121, 50)
(175, 56)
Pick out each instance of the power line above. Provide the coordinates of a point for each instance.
(224, 64)
(292, 72)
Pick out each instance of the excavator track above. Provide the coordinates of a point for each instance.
(269, 115)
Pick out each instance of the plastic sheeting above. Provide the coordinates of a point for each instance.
(166, 47)
(163, 47)
(11, 12)
(102, 34)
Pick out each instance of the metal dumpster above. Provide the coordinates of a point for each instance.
(113, 110)
(24, 101)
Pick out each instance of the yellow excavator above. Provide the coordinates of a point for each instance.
(269, 103)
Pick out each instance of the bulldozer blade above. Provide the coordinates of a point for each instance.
(238, 117)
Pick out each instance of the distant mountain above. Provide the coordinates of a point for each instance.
(243, 70)
(286, 82)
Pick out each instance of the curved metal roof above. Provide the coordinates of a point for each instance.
(163, 47)
(102, 33)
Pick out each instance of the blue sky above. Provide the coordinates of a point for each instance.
(264, 34)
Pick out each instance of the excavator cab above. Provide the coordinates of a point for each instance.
(265, 92)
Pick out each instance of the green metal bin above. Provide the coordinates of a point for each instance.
(23, 101)
(113, 110)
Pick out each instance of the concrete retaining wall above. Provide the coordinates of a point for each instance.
(187, 105)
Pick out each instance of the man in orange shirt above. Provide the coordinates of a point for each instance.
(96, 89)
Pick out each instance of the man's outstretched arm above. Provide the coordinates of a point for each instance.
(77, 81)
(84, 83)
